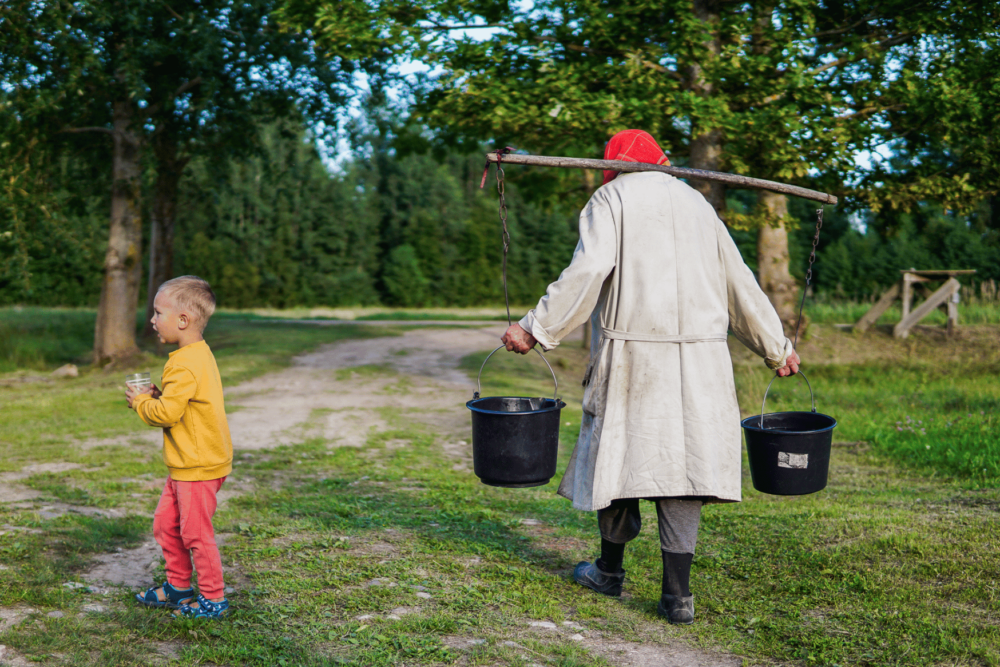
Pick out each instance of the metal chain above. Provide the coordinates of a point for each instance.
(505, 236)
(809, 272)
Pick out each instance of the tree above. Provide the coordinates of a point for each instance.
(276, 228)
(738, 87)
(179, 77)
(428, 198)
(937, 135)
(780, 89)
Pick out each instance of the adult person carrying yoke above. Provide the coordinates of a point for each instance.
(662, 281)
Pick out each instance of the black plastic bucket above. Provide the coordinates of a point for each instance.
(515, 440)
(789, 452)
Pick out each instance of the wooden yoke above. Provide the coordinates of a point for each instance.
(732, 180)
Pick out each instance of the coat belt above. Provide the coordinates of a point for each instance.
(657, 338)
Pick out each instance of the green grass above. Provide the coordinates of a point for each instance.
(36, 338)
(848, 312)
(39, 339)
(44, 418)
(893, 564)
(940, 420)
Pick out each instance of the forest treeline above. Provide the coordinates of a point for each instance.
(141, 140)
(413, 228)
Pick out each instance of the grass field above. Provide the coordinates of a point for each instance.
(894, 564)
(849, 312)
(820, 310)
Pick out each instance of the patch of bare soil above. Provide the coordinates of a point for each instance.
(168, 650)
(12, 492)
(39, 468)
(152, 438)
(307, 400)
(11, 658)
(670, 653)
(56, 510)
(16, 493)
(11, 616)
(23, 377)
(131, 568)
(649, 654)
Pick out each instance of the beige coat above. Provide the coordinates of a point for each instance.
(663, 281)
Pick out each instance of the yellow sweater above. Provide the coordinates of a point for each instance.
(196, 441)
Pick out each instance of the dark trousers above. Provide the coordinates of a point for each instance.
(678, 520)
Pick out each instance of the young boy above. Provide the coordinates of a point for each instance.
(197, 449)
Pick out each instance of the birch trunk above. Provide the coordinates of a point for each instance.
(114, 335)
(163, 217)
(772, 259)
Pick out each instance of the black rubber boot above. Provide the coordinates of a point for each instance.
(678, 610)
(605, 583)
(612, 555)
(676, 574)
(676, 601)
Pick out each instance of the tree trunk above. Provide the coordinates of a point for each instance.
(772, 237)
(706, 145)
(114, 335)
(772, 259)
(164, 214)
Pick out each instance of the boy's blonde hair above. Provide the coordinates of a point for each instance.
(192, 294)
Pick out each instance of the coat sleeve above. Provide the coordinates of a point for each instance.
(179, 386)
(569, 301)
(751, 316)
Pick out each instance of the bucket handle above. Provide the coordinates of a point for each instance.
(479, 380)
(811, 394)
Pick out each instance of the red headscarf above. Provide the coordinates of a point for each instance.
(632, 146)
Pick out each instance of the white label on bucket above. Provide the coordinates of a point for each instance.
(788, 460)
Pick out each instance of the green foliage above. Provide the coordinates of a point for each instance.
(276, 228)
(860, 265)
(404, 230)
(405, 285)
(36, 338)
(566, 75)
(52, 239)
(938, 420)
(938, 121)
(201, 74)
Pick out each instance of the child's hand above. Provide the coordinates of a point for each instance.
(132, 392)
(155, 392)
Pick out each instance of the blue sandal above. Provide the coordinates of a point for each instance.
(175, 598)
(205, 609)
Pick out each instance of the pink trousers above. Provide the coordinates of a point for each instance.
(182, 526)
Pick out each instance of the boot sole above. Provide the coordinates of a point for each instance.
(597, 590)
(665, 614)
